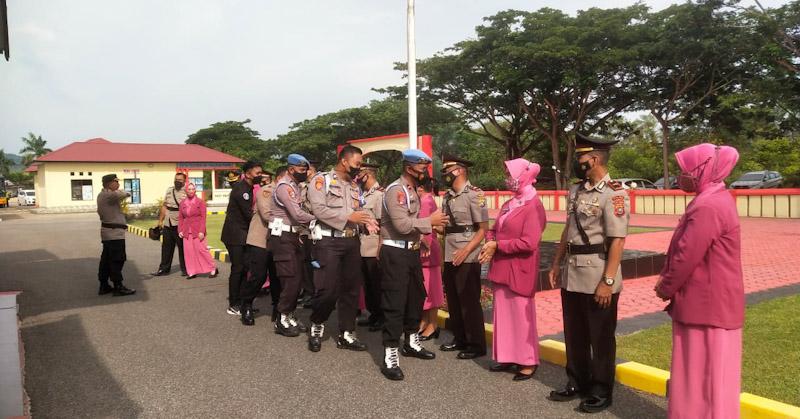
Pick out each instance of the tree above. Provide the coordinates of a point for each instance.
(34, 148)
(231, 137)
(5, 163)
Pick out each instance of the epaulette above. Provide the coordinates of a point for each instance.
(615, 185)
(476, 189)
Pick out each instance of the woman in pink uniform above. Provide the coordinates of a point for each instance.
(431, 256)
(703, 281)
(513, 248)
(192, 229)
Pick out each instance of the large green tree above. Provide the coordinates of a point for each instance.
(232, 137)
(5, 163)
(34, 147)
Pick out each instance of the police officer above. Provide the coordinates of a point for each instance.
(168, 221)
(286, 215)
(307, 286)
(335, 199)
(112, 234)
(373, 202)
(234, 231)
(255, 253)
(587, 263)
(466, 206)
(403, 286)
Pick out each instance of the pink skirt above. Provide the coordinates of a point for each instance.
(705, 377)
(198, 258)
(433, 286)
(516, 340)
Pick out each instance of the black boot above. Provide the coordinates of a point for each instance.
(285, 327)
(315, 337)
(121, 291)
(413, 348)
(349, 340)
(566, 394)
(248, 317)
(391, 365)
(105, 289)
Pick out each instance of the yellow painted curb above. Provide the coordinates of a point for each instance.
(553, 351)
(643, 377)
(762, 408)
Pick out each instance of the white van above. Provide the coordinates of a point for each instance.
(26, 197)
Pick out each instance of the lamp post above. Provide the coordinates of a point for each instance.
(412, 79)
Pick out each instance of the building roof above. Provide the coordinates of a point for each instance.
(32, 168)
(102, 150)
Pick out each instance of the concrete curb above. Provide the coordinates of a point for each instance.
(218, 254)
(650, 379)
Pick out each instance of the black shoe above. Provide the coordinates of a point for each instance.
(122, 290)
(502, 367)
(105, 289)
(434, 335)
(160, 272)
(450, 347)
(234, 310)
(248, 318)
(471, 353)
(349, 340)
(519, 376)
(285, 327)
(191, 277)
(565, 394)
(183, 273)
(391, 365)
(412, 348)
(214, 274)
(315, 337)
(595, 404)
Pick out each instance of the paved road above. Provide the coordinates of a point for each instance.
(172, 351)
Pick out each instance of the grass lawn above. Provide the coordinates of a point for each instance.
(552, 232)
(213, 225)
(771, 355)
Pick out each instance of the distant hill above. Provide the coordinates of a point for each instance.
(17, 159)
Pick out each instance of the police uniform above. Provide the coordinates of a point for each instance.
(286, 215)
(403, 285)
(238, 215)
(172, 202)
(373, 203)
(112, 234)
(338, 280)
(307, 286)
(257, 257)
(467, 210)
(595, 214)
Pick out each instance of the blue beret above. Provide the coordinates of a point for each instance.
(415, 156)
(296, 160)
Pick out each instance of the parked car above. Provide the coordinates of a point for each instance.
(631, 183)
(762, 179)
(26, 197)
(673, 182)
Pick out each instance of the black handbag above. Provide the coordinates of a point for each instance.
(154, 233)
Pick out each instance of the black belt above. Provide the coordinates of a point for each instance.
(461, 229)
(172, 208)
(113, 225)
(585, 249)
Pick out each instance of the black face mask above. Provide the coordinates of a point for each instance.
(353, 172)
(258, 179)
(449, 179)
(581, 169)
(422, 177)
(178, 184)
(299, 177)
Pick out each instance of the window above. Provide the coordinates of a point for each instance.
(81, 173)
(72, 173)
(90, 173)
(82, 190)
(198, 183)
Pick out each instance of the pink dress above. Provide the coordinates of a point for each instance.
(431, 265)
(191, 222)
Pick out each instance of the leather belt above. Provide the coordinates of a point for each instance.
(461, 229)
(172, 208)
(402, 244)
(346, 233)
(585, 249)
(114, 225)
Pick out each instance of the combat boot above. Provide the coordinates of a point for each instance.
(391, 365)
(412, 347)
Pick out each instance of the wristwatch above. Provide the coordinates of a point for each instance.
(609, 280)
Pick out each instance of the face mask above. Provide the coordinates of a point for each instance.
(299, 177)
(257, 180)
(178, 184)
(353, 172)
(581, 169)
(512, 184)
(449, 179)
(687, 183)
(422, 177)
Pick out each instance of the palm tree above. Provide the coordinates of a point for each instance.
(5, 163)
(34, 148)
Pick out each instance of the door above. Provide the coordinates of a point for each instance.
(132, 186)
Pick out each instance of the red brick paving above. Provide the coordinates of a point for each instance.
(768, 257)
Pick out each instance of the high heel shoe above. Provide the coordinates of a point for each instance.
(214, 274)
(434, 335)
(520, 376)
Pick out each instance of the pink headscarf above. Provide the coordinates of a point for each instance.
(524, 172)
(710, 163)
(187, 190)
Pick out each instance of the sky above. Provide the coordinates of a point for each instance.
(157, 71)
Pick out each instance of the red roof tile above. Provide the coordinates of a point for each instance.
(102, 150)
(32, 168)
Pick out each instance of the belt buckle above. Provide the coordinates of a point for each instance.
(415, 246)
(348, 232)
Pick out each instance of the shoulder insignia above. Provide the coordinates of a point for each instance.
(319, 183)
(266, 192)
(614, 185)
(291, 193)
(401, 198)
(619, 205)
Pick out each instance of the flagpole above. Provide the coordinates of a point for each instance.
(412, 79)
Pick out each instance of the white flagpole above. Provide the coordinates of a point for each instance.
(412, 79)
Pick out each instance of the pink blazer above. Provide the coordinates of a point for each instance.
(703, 272)
(427, 207)
(516, 261)
(192, 217)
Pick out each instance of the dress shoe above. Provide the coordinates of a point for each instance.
(349, 340)
(248, 318)
(214, 274)
(122, 290)
(160, 272)
(520, 376)
(296, 323)
(565, 394)
(391, 365)
(315, 337)
(450, 347)
(471, 353)
(434, 335)
(105, 289)
(412, 348)
(595, 404)
(502, 367)
(285, 327)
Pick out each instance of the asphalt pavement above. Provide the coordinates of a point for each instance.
(172, 351)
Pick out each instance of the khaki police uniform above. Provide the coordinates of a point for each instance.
(112, 234)
(172, 201)
(373, 204)
(257, 258)
(596, 213)
(338, 281)
(466, 209)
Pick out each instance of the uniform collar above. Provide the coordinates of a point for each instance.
(599, 186)
(374, 188)
(452, 192)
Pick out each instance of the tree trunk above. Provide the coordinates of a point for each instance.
(665, 152)
(556, 162)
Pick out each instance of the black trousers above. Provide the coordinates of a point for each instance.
(462, 285)
(402, 293)
(591, 345)
(171, 239)
(238, 272)
(308, 272)
(371, 270)
(287, 253)
(338, 281)
(111, 262)
(256, 259)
